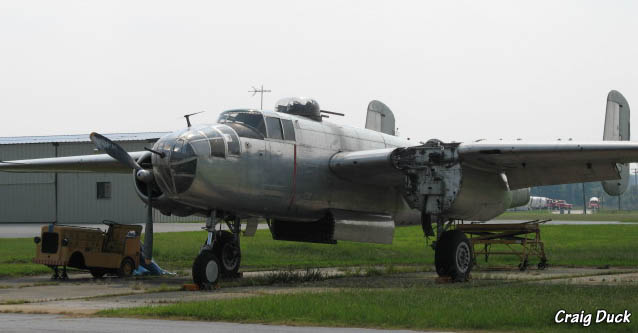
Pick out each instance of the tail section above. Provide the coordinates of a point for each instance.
(617, 129)
(380, 118)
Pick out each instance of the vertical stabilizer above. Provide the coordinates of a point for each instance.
(617, 129)
(380, 118)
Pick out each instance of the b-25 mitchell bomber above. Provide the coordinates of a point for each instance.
(316, 181)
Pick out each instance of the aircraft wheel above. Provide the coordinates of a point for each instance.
(126, 268)
(453, 256)
(206, 270)
(97, 272)
(229, 254)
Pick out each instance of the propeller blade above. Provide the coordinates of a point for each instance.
(114, 150)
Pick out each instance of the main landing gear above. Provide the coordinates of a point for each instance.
(220, 256)
(453, 257)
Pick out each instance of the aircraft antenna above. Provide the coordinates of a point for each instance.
(188, 116)
(261, 91)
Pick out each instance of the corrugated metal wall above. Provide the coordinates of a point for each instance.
(77, 193)
(27, 197)
(30, 197)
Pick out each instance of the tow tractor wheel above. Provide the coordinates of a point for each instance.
(97, 272)
(453, 256)
(206, 269)
(126, 268)
(228, 252)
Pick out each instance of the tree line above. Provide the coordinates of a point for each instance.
(573, 194)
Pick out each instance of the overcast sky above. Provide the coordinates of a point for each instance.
(453, 70)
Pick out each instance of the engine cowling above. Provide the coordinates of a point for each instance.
(520, 197)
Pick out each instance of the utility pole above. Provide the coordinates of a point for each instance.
(261, 91)
(633, 192)
(584, 201)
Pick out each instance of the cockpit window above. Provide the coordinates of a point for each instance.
(245, 122)
(274, 128)
(231, 139)
(289, 129)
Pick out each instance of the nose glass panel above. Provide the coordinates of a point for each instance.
(160, 164)
(178, 167)
(183, 165)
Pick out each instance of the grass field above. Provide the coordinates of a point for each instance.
(605, 215)
(512, 307)
(570, 245)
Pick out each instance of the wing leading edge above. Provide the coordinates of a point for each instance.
(83, 163)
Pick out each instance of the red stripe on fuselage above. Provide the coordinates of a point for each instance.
(294, 179)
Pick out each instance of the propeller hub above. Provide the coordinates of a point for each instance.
(145, 176)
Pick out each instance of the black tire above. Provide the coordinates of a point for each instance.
(454, 256)
(228, 253)
(97, 272)
(206, 269)
(126, 267)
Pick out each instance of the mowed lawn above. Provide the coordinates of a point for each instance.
(604, 215)
(513, 307)
(569, 245)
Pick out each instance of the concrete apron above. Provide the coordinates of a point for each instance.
(83, 295)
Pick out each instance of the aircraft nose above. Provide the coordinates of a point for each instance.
(178, 167)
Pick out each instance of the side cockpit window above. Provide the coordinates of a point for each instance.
(248, 124)
(289, 129)
(274, 128)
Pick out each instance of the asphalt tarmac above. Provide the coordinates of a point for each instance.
(28, 230)
(15, 322)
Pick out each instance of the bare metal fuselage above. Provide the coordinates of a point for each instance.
(292, 180)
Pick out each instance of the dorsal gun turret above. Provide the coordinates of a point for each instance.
(299, 106)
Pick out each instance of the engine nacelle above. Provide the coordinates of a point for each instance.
(159, 200)
(520, 197)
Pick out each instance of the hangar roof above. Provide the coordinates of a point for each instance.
(144, 136)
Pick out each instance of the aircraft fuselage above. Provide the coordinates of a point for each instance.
(288, 176)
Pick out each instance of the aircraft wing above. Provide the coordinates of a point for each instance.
(83, 163)
(536, 164)
(524, 164)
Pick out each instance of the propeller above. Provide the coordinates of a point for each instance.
(117, 152)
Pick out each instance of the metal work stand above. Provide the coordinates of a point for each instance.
(526, 235)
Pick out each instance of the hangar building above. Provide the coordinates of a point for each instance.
(71, 197)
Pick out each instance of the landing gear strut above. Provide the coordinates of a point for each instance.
(220, 256)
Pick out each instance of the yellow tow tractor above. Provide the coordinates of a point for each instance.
(116, 251)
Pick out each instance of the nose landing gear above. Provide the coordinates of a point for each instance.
(220, 256)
